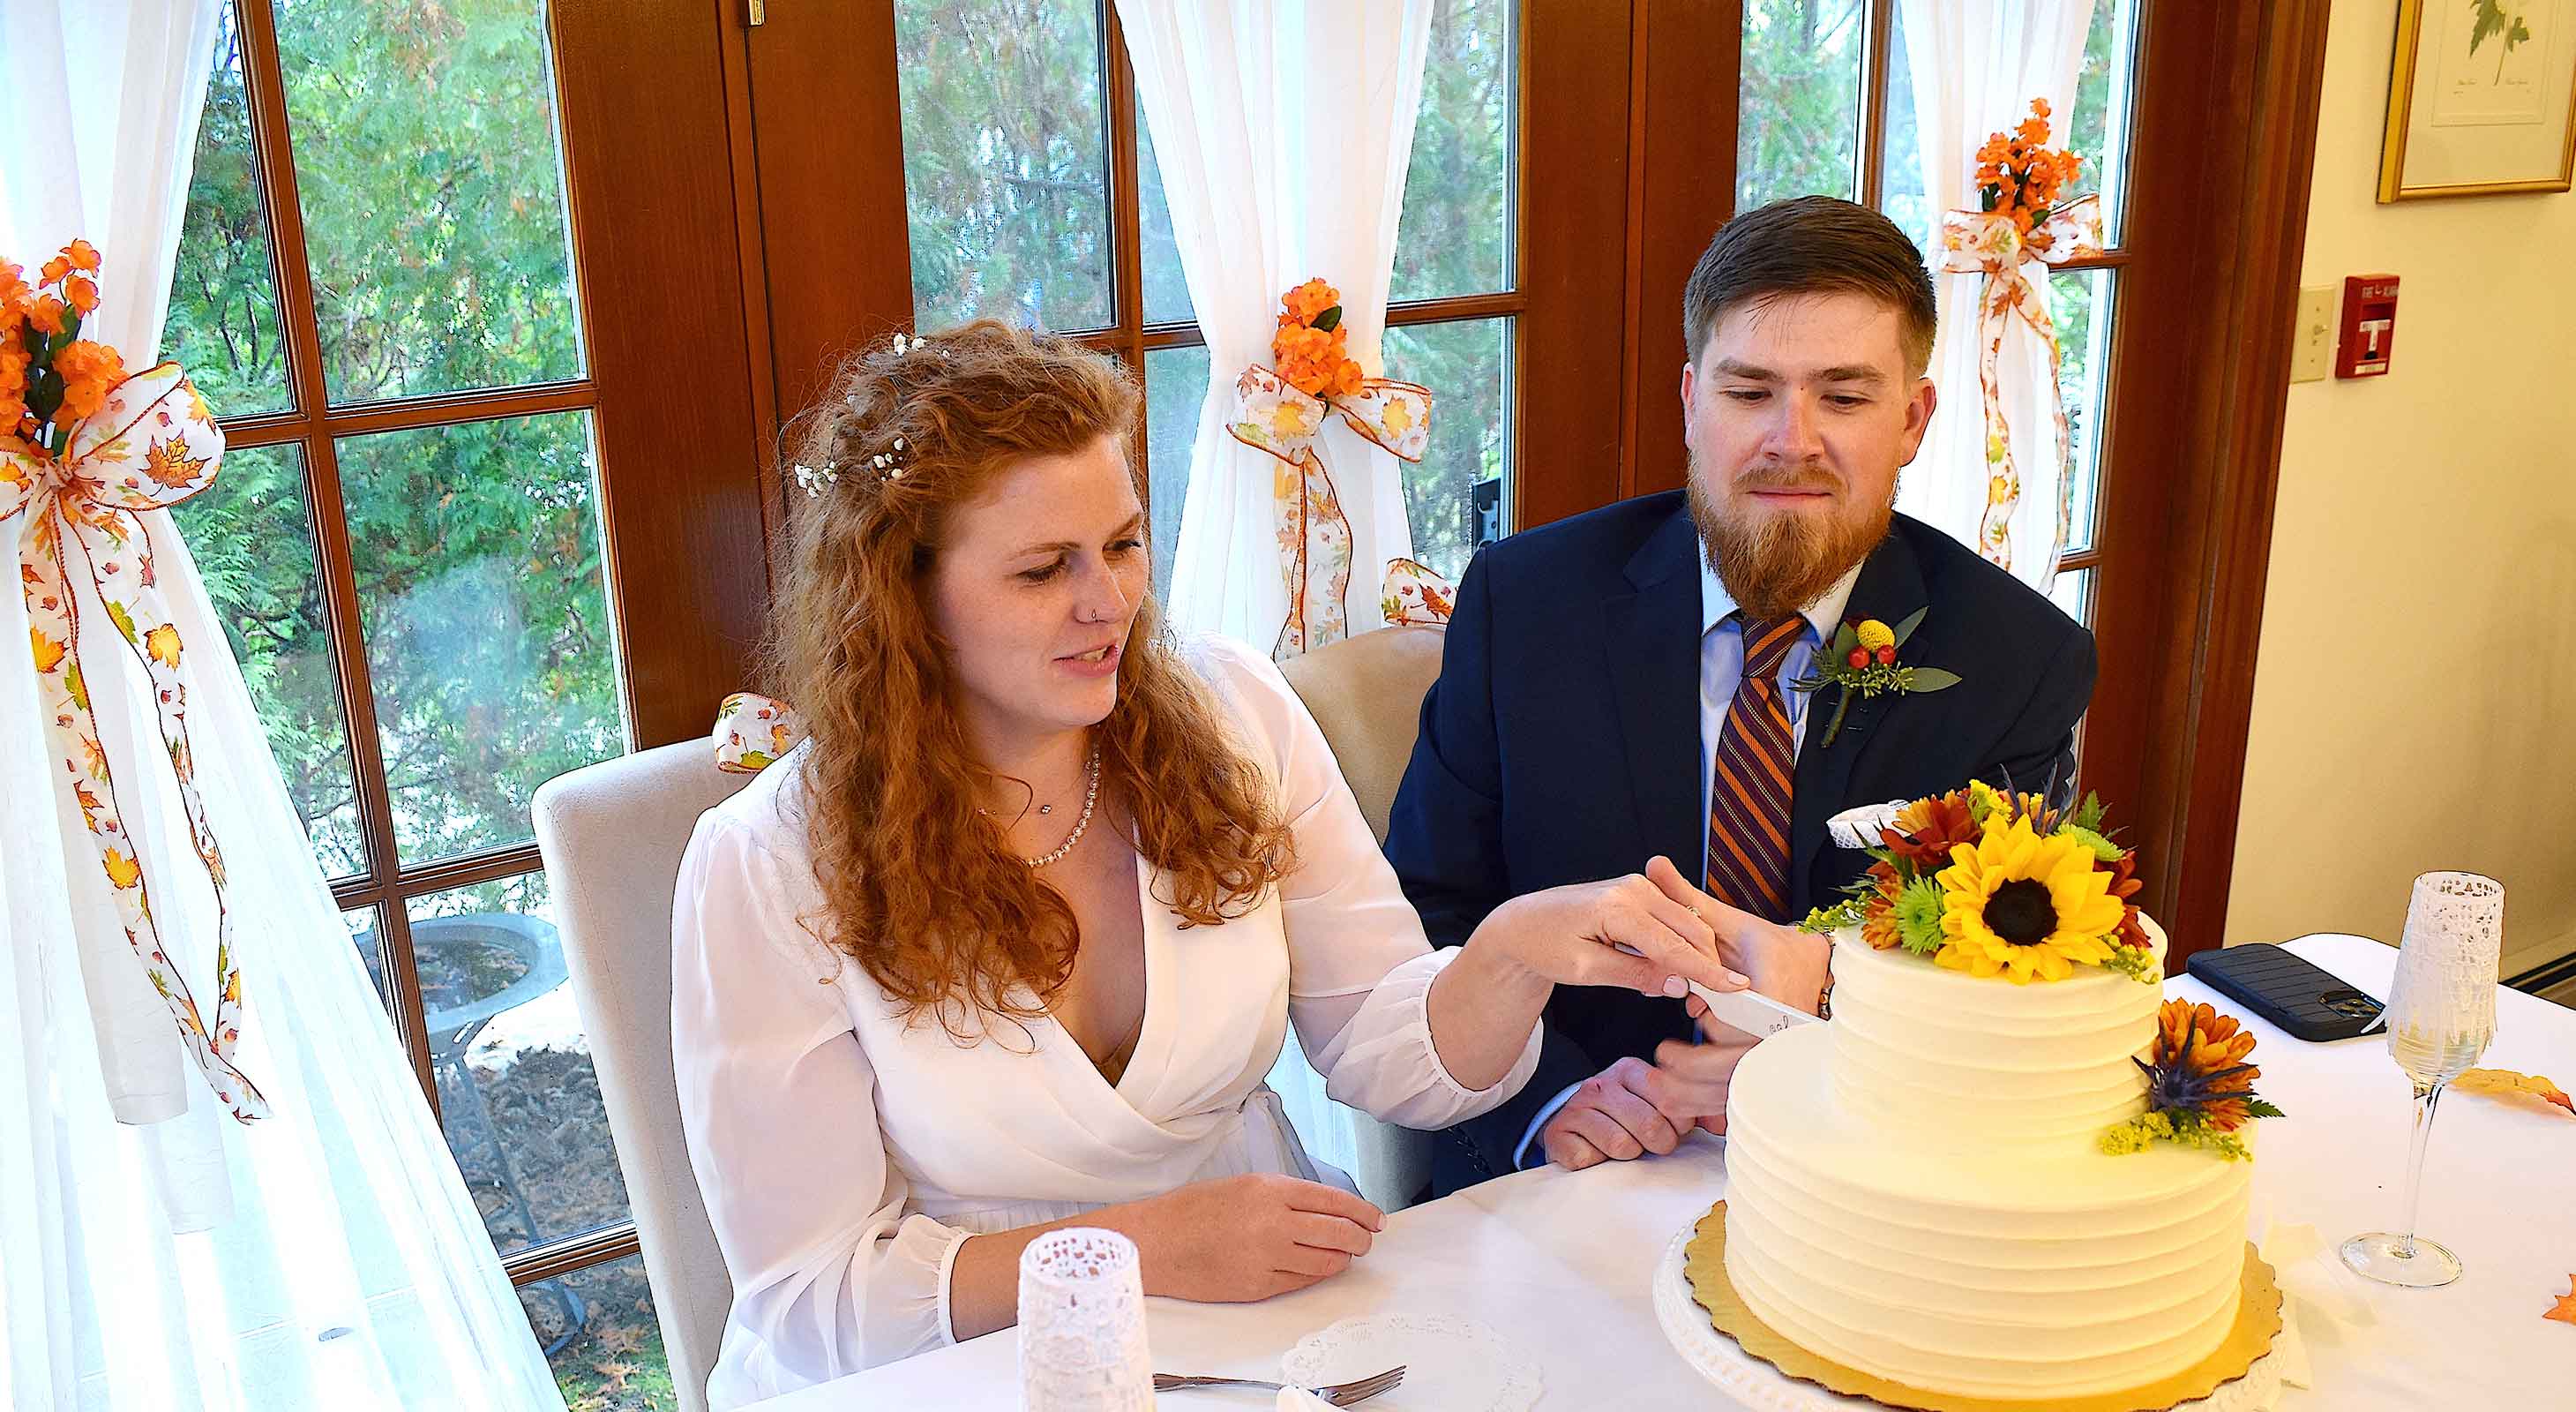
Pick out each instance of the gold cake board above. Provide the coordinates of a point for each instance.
(2258, 1321)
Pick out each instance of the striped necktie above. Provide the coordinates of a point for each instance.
(1748, 796)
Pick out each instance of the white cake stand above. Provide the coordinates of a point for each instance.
(1758, 1385)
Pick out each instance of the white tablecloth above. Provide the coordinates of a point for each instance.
(1558, 1262)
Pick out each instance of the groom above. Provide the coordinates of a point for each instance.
(1621, 685)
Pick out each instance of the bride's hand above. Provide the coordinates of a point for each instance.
(1648, 932)
(1235, 1239)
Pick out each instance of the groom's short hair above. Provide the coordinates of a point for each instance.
(1811, 245)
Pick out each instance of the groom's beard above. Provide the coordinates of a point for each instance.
(1775, 564)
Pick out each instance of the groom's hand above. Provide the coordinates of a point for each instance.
(1633, 1107)
(1613, 1116)
(1781, 961)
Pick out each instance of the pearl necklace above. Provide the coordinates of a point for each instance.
(1090, 797)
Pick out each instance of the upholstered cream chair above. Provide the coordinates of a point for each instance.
(1366, 693)
(612, 835)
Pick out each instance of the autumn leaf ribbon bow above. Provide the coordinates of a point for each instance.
(150, 445)
(1991, 244)
(1274, 415)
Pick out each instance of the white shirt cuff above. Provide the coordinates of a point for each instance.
(1521, 1154)
(957, 1239)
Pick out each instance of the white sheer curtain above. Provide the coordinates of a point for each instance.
(1284, 128)
(155, 1254)
(1976, 66)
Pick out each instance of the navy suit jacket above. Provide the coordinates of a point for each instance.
(1561, 745)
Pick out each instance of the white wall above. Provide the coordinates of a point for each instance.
(2415, 694)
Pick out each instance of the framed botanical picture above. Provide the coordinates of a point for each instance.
(2482, 99)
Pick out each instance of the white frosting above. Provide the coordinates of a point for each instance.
(1914, 1189)
(1947, 1057)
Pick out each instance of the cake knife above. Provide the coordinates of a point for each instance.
(1750, 1011)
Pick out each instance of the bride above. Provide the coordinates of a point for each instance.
(1011, 940)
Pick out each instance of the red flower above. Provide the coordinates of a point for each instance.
(1925, 831)
(1878, 921)
(2125, 885)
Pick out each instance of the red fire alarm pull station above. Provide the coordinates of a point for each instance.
(2369, 330)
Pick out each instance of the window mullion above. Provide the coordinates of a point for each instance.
(1874, 86)
(1126, 219)
(263, 76)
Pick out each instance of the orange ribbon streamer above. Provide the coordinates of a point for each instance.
(151, 445)
(1988, 243)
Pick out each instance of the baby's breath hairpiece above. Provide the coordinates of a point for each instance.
(882, 466)
(812, 481)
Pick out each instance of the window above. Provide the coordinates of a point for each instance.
(1828, 108)
(405, 542)
(1019, 121)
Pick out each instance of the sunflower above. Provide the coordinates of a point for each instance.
(2198, 1066)
(1924, 832)
(2025, 907)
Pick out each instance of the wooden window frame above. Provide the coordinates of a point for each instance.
(315, 426)
(2227, 122)
(669, 626)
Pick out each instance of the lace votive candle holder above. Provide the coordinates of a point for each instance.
(1082, 1324)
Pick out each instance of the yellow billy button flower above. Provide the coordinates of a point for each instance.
(1875, 635)
(2024, 907)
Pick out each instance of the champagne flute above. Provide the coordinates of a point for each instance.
(2441, 1016)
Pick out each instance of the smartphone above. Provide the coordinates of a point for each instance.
(2304, 999)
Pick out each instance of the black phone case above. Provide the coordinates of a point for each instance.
(2303, 998)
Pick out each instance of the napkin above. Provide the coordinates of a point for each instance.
(2315, 1287)
(1297, 1399)
(1858, 828)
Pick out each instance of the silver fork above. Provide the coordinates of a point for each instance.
(1352, 1393)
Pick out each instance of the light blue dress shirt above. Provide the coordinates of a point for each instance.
(1721, 670)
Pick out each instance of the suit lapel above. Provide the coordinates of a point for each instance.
(1654, 635)
(1890, 588)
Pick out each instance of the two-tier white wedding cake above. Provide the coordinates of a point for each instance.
(1918, 1190)
(2007, 1171)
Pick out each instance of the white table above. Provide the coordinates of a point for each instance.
(1558, 1262)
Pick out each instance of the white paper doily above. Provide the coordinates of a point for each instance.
(1759, 1385)
(1456, 1365)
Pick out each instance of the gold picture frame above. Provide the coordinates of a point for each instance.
(2495, 107)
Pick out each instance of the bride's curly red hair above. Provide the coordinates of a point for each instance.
(917, 887)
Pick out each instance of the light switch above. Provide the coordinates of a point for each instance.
(2312, 350)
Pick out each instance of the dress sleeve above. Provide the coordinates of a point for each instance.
(1359, 966)
(831, 1273)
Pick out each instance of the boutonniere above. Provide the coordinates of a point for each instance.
(1862, 658)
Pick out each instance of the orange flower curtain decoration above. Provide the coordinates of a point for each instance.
(1282, 409)
(83, 448)
(2024, 218)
